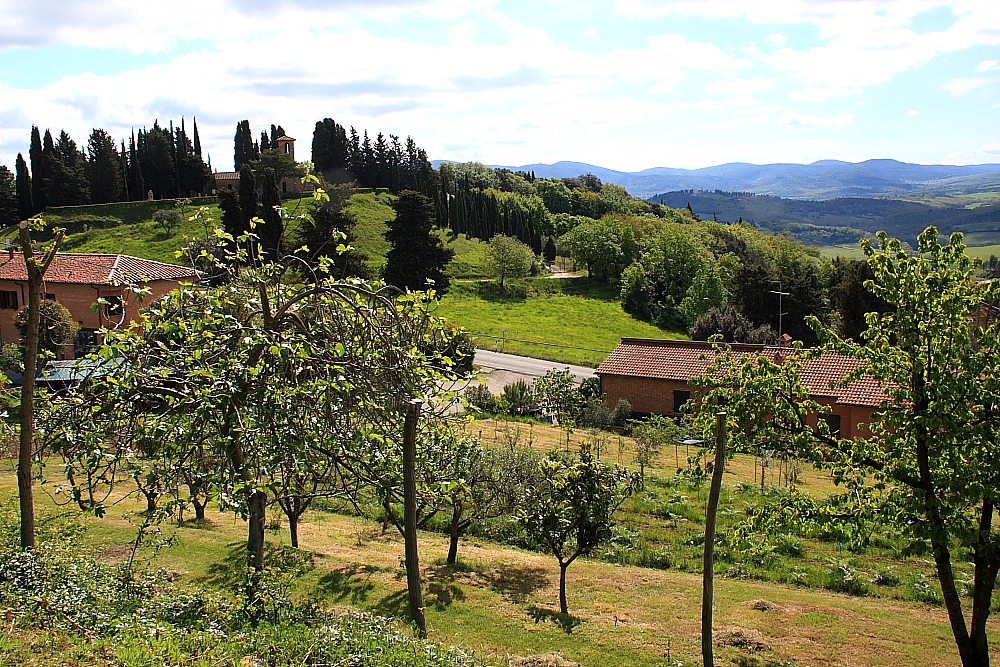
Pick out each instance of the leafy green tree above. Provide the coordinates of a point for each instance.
(605, 246)
(418, 254)
(56, 326)
(280, 163)
(557, 391)
(650, 436)
(9, 207)
(555, 194)
(329, 232)
(103, 168)
(167, 220)
(509, 258)
(933, 459)
(571, 510)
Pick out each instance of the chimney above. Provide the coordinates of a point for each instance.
(785, 340)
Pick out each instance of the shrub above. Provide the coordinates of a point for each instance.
(167, 220)
(842, 577)
(885, 576)
(520, 398)
(480, 397)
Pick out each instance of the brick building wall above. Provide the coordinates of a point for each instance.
(656, 396)
(80, 300)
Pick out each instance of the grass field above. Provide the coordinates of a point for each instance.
(501, 601)
(562, 311)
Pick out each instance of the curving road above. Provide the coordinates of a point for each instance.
(527, 365)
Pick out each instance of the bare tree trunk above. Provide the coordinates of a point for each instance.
(563, 604)
(199, 510)
(456, 516)
(708, 570)
(36, 268)
(985, 582)
(293, 529)
(413, 588)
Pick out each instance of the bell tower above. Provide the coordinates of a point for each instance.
(286, 145)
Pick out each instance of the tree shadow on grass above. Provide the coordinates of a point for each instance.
(350, 583)
(516, 584)
(565, 621)
(231, 572)
(491, 291)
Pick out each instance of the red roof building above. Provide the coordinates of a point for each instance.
(654, 376)
(78, 281)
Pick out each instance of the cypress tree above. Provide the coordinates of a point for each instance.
(265, 143)
(197, 139)
(244, 145)
(67, 183)
(322, 146)
(9, 208)
(104, 168)
(38, 170)
(271, 232)
(136, 183)
(25, 209)
(232, 216)
(158, 168)
(247, 196)
(124, 170)
(550, 250)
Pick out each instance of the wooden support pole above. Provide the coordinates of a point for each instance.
(413, 587)
(708, 581)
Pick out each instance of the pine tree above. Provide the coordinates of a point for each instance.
(550, 250)
(25, 208)
(38, 170)
(271, 232)
(104, 168)
(418, 254)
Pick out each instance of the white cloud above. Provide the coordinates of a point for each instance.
(988, 66)
(796, 119)
(990, 149)
(912, 112)
(864, 41)
(742, 101)
(821, 94)
(777, 39)
(968, 84)
(738, 86)
(591, 32)
(148, 26)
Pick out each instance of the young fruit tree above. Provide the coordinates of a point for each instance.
(572, 509)
(509, 258)
(933, 457)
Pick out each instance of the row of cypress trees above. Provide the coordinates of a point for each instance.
(161, 160)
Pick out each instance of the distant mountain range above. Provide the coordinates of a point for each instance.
(825, 179)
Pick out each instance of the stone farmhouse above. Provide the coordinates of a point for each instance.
(77, 281)
(655, 377)
(230, 180)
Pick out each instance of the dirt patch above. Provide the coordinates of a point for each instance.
(543, 660)
(764, 605)
(116, 553)
(742, 638)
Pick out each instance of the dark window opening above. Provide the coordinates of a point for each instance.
(284, 186)
(833, 421)
(681, 397)
(50, 297)
(85, 342)
(8, 300)
(113, 307)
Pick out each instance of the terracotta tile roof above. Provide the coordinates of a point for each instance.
(95, 269)
(681, 360)
(284, 137)
(226, 175)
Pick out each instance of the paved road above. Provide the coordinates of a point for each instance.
(527, 365)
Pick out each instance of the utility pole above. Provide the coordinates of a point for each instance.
(781, 295)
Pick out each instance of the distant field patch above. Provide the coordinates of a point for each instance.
(570, 311)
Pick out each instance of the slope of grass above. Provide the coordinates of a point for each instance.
(570, 311)
(501, 601)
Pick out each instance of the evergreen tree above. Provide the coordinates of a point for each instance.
(265, 142)
(329, 226)
(104, 168)
(550, 250)
(8, 198)
(197, 139)
(67, 184)
(418, 254)
(25, 209)
(136, 183)
(232, 216)
(38, 170)
(246, 149)
(192, 172)
(247, 196)
(158, 168)
(272, 230)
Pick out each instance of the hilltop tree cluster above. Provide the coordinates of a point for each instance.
(161, 160)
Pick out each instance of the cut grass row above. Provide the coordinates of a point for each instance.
(500, 601)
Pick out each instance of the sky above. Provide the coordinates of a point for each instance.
(623, 84)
